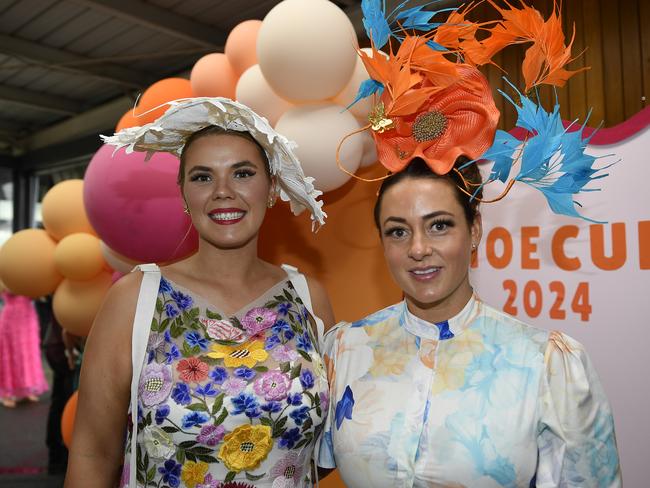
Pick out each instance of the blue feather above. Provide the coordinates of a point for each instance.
(375, 23)
(367, 88)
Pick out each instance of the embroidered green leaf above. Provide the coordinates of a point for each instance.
(266, 421)
(306, 425)
(277, 428)
(190, 456)
(147, 419)
(176, 329)
(151, 473)
(180, 456)
(299, 300)
(319, 411)
(301, 443)
(218, 402)
(285, 367)
(235, 321)
(261, 369)
(207, 459)
(169, 429)
(159, 305)
(198, 407)
(213, 315)
(186, 350)
(288, 295)
(164, 324)
(230, 476)
(304, 354)
(219, 420)
(279, 298)
(200, 450)
(295, 371)
(196, 350)
(154, 325)
(226, 343)
(187, 444)
(254, 477)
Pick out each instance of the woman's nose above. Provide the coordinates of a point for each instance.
(420, 247)
(222, 189)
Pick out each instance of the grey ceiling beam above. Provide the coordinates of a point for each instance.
(161, 20)
(58, 59)
(41, 101)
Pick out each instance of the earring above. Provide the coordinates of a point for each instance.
(473, 247)
(272, 197)
(186, 209)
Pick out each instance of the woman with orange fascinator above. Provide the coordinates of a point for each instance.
(441, 389)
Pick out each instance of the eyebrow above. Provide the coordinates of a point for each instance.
(238, 165)
(401, 220)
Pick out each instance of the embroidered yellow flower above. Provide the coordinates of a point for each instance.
(194, 473)
(246, 447)
(247, 354)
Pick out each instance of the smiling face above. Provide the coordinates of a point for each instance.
(427, 243)
(226, 188)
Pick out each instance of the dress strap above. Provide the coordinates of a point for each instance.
(300, 284)
(141, 325)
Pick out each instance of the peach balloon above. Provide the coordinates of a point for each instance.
(116, 261)
(79, 256)
(67, 419)
(213, 76)
(76, 303)
(27, 263)
(318, 129)
(254, 91)
(241, 45)
(306, 49)
(369, 156)
(127, 120)
(63, 210)
(153, 102)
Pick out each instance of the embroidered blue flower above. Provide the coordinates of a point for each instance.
(161, 413)
(304, 342)
(284, 308)
(168, 336)
(171, 311)
(244, 373)
(194, 419)
(281, 325)
(344, 407)
(181, 394)
(272, 407)
(171, 472)
(271, 341)
(307, 379)
(247, 404)
(290, 438)
(294, 398)
(299, 415)
(219, 374)
(165, 286)
(182, 301)
(195, 339)
(207, 390)
(173, 354)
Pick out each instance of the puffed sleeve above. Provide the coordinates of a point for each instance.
(576, 439)
(325, 456)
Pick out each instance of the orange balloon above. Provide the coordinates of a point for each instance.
(27, 263)
(76, 303)
(63, 210)
(127, 120)
(158, 94)
(79, 256)
(241, 45)
(213, 76)
(67, 419)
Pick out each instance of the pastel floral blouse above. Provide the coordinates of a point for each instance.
(229, 401)
(480, 400)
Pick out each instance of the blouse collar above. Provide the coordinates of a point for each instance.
(447, 329)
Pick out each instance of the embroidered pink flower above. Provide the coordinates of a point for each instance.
(273, 385)
(211, 435)
(155, 384)
(324, 400)
(258, 319)
(192, 370)
(234, 386)
(284, 353)
(287, 471)
(209, 482)
(222, 330)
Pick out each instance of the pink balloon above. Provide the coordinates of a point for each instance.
(136, 206)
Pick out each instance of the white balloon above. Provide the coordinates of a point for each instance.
(254, 91)
(116, 261)
(318, 129)
(369, 156)
(307, 50)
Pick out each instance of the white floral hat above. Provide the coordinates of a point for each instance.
(186, 116)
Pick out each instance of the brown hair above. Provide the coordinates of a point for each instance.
(468, 178)
(215, 130)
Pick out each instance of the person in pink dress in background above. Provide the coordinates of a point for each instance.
(21, 368)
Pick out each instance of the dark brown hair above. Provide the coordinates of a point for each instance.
(418, 169)
(215, 130)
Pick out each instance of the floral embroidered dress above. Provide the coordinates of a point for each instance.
(480, 400)
(229, 401)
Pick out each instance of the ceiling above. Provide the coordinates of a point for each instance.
(69, 69)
